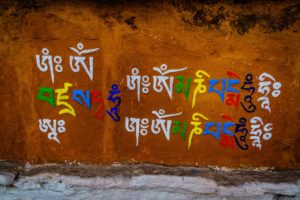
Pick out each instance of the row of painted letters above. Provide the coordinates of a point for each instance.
(47, 62)
(142, 84)
(228, 138)
(87, 97)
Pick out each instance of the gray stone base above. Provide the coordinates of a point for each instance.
(142, 181)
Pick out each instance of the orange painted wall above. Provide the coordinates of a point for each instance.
(218, 37)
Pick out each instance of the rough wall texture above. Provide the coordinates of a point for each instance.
(237, 36)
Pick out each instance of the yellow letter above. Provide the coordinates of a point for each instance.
(60, 97)
(200, 88)
(196, 130)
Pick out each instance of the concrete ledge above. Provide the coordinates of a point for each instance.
(223, 176)
(143, 181)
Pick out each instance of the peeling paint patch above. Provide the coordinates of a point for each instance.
(131, 22)
(244, 23)
(204, 18)
(242, 15)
